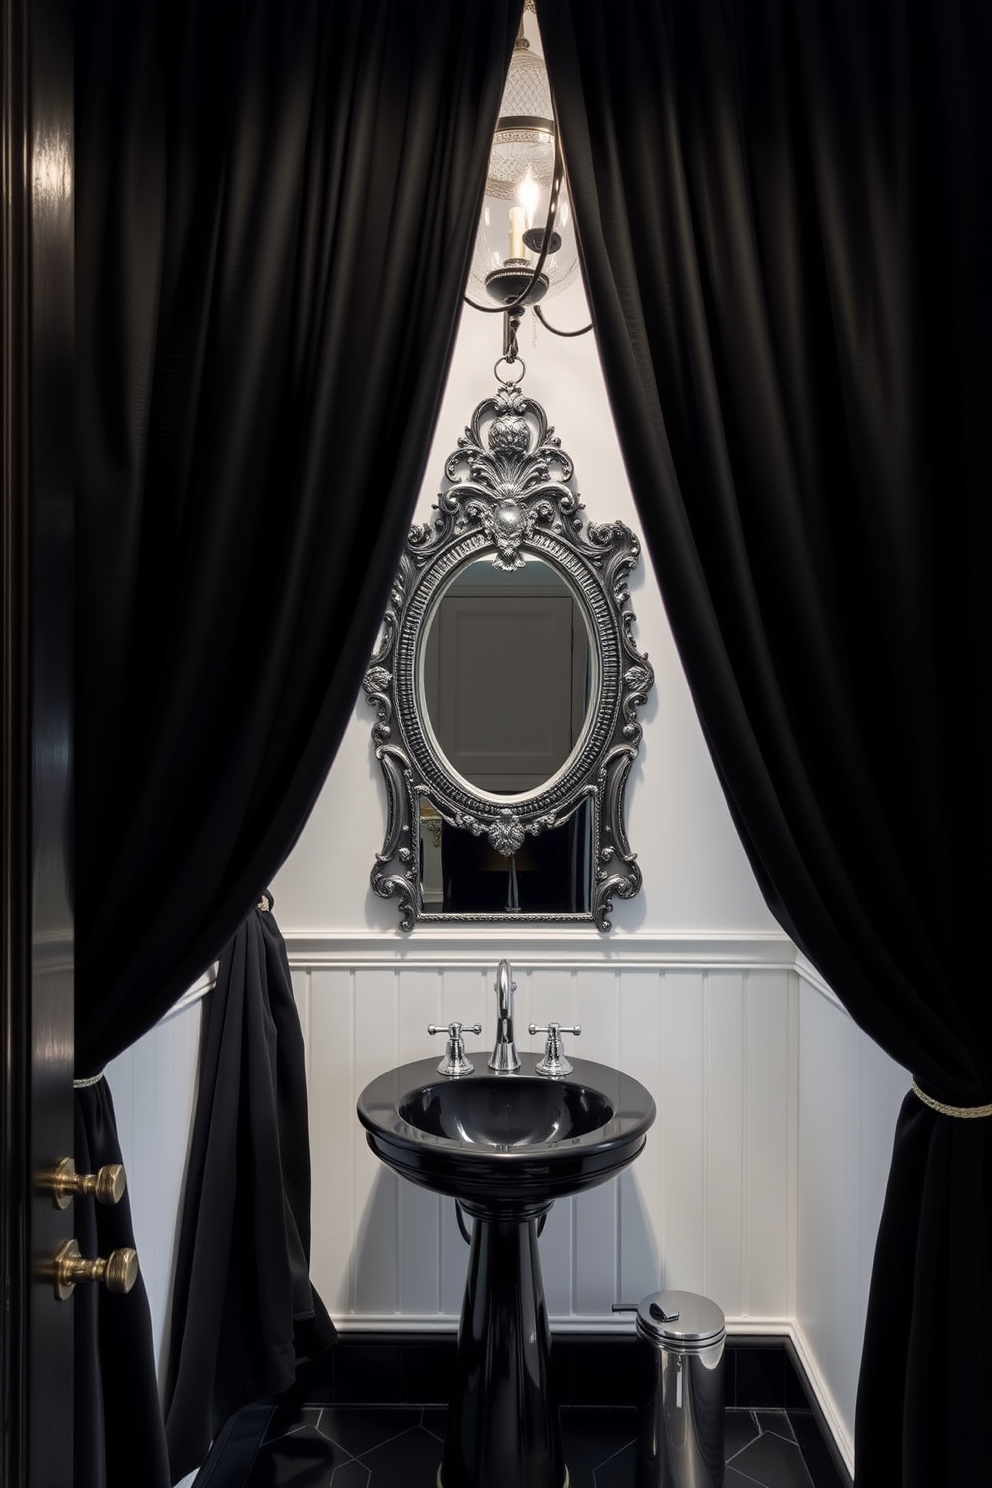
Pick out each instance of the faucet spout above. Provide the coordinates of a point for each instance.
(505, 1059)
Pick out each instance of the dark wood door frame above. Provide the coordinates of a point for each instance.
(36, 931)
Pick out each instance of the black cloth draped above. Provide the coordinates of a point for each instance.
(275, 206)
(784, 215)
(243, 1310)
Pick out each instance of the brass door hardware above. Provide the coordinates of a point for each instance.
(118, 1272)
(107, 1185)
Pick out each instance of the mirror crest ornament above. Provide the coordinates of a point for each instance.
(509, 497)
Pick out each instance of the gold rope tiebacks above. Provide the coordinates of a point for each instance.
(967, 1113)
(87, 1082)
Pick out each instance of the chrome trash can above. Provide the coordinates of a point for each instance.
(681, 1440)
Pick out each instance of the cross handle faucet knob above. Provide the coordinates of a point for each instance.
(554, 1064)
(455, 1062)
(454, 1030)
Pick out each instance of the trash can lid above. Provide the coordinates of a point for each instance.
(680, 1319)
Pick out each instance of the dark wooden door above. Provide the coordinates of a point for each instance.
(36, 1060)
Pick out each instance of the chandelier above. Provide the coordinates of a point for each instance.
(525, 249)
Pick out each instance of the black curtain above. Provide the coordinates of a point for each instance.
(784, 214)
(275, 205)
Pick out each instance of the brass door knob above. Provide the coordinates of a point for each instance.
(107, 1186)
(118, 1272)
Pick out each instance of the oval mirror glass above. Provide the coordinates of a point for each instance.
(507, 675)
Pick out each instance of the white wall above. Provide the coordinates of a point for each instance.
(153, 1086)
(849, 1096)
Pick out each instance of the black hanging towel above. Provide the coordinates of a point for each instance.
(244, 1313)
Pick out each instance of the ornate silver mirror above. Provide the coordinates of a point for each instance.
(506, 686)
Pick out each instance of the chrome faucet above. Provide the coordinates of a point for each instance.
(505, 1059)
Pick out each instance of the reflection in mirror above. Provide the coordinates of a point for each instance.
(507, 674)
(549, 876)
(506, 686)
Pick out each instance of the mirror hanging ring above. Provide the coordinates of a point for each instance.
(508, 541)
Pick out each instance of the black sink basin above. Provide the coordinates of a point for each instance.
(506, 1139)
(504, 1111)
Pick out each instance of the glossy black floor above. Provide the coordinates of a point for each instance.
(355, 1446)
(328, 1435)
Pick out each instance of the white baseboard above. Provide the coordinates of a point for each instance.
(614, 1326)
(831, 1417)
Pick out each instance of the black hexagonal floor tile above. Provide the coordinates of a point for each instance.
(773, 1462)
(411, 1459)
(356, 1446)
(297, 1459)
(359, 1428)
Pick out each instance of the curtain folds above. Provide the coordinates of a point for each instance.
(275, 209)
(275, 206)
(784, 218)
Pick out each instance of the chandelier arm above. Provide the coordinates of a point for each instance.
(490, 309)
(554, 329)
(559, 170)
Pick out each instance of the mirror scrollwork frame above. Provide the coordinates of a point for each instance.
(509, 497)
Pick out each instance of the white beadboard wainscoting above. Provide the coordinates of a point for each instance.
(706, 1207)
(153, 1085)
(760, 1186)
(849, 1097)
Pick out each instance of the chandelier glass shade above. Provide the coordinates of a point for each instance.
(519, 193)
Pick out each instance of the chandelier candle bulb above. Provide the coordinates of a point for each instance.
(529, 195)
(516, 232)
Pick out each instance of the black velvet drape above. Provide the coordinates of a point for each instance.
(275, 204)
(784, 214)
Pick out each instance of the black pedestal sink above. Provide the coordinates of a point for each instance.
(505, 1146)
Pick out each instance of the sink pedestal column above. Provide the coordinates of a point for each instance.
(503, 1429)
